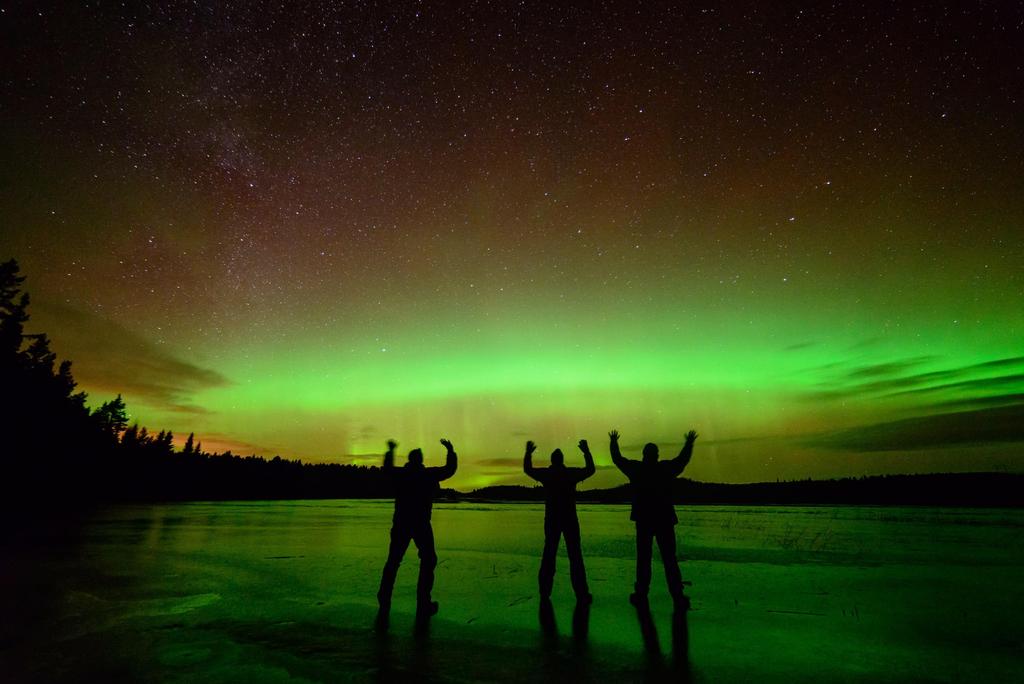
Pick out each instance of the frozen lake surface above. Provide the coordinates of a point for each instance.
(284, 592)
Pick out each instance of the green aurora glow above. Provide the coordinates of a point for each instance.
(806, 261)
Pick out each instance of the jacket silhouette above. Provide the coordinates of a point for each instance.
(415, 487)
(560, 517)
(654, 513)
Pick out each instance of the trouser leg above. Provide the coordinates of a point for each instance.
(667, 546)
(424, 539)
(546, 576)
(644, 543)
(399, 543)
(577, 571)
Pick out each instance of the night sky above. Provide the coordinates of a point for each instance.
(302, 230)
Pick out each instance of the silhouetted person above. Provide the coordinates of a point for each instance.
(560, 517)
(415, 488)
(654, 514)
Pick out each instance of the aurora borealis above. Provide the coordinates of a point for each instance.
(302, 230)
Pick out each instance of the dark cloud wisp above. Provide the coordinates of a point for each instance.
(107, 357)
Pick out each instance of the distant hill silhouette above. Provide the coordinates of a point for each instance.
(942, 489)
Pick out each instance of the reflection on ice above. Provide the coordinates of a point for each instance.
(267, 591)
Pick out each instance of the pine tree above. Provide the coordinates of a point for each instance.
(166, 444)
(13, 310)
(112, 416)
(130, 438)
(51, 440)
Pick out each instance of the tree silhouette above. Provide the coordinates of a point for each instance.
(130, 437)
(112, 417)
(58, 452)
(12, 310)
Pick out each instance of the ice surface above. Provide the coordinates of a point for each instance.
(284, 591)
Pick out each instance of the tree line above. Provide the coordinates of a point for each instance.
(56, 451)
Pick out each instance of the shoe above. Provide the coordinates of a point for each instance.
(638, 600)
(426, 609)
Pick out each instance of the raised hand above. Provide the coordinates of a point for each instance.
(530, 446)
(392, 444)
(691, 436)
(584, 447)
(614, 434)
(447, 444)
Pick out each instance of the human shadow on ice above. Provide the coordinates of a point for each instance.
(656, 664)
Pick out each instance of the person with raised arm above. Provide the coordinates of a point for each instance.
(415, 487)
(654, 514)
(560, 518)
